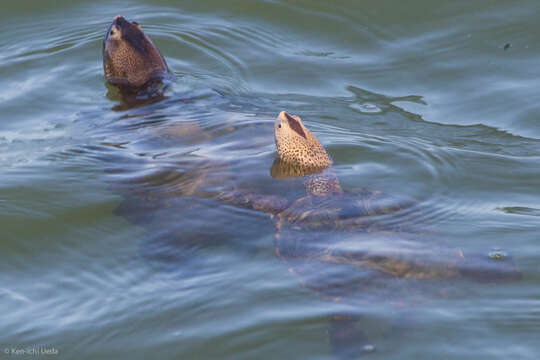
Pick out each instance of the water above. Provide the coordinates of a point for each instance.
(114, 244)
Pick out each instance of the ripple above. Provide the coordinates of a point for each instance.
(14, 295)
(520, 210)
(118, 204)
(366, 108)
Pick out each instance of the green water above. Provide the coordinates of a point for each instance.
(108, 252)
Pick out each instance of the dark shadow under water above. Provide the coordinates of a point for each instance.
(179, 205)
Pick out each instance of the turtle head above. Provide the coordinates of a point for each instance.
(123, 36)
(296, 145)
(123, 29)
(129, 56)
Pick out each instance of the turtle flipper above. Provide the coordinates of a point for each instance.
(348, 336)
(270, 204)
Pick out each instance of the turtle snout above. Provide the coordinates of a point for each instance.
(119, 21)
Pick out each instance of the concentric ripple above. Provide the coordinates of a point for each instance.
(116, 242)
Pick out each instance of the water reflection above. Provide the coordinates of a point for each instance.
(129, 97)
(177, 269)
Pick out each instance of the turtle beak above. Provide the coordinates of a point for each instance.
(285, 116)
(119, 21)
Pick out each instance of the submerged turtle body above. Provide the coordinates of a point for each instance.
(342, 232)
(326, 225)
(311, 228)
(355, 246)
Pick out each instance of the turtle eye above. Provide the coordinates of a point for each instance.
(112, 32)
(279, 126)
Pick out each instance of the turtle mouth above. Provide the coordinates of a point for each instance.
(294, 124)
(120, 21)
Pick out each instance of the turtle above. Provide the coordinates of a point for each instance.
(129, 56)
(351, 245)
(136, 71)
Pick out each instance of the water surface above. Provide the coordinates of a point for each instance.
(114, 244)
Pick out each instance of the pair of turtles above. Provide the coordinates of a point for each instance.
(323, 234)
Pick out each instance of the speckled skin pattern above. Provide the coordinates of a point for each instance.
(129, 56)
(297, 146)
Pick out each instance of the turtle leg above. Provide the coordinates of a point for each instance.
(270, 204)
(349, 336)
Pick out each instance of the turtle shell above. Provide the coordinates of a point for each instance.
(350, 211)
(356, 243)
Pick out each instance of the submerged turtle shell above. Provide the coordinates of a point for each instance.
(360, 232)
(349, 228)
(341, 242)
(356, 246)
(360, 242)
(346, 211)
